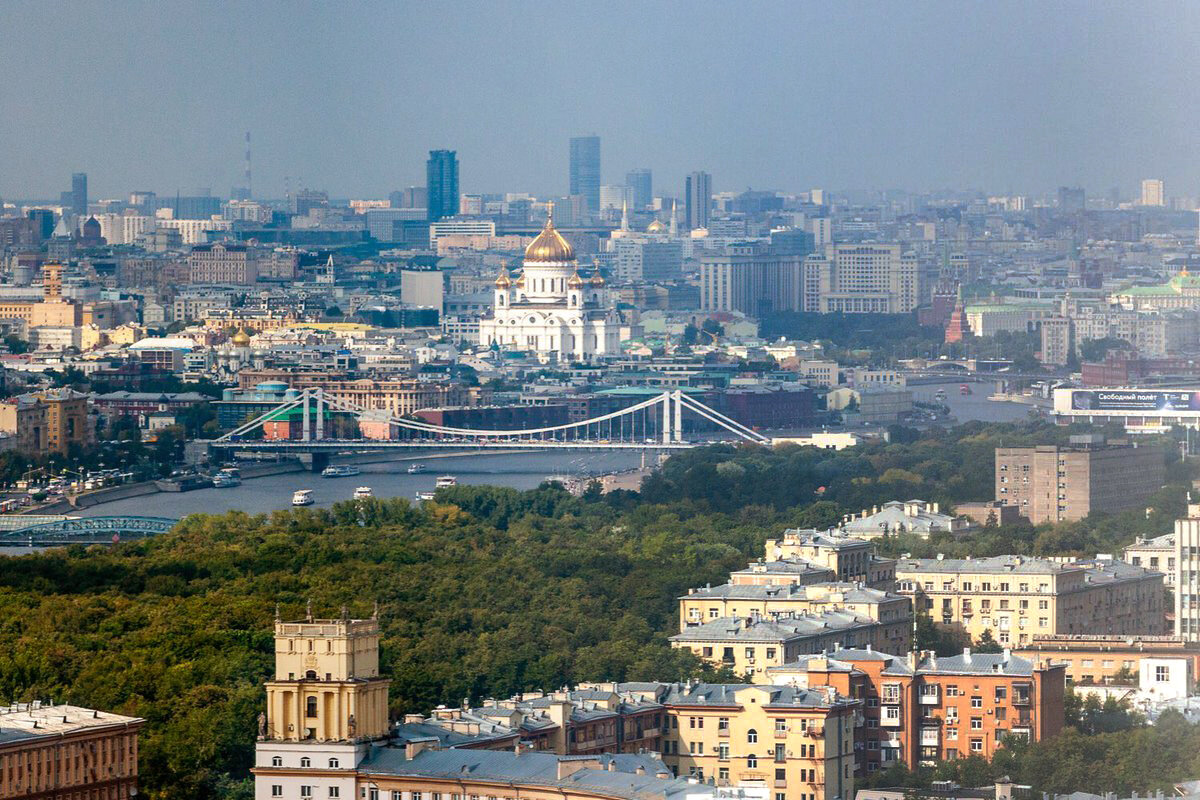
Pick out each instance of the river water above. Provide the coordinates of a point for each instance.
(523, 470)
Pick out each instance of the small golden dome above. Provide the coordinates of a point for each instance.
(502, 281)
(520, 284)
(575, 282)
(656, 227)
(549, 245)
(240, 339)
(597, 278)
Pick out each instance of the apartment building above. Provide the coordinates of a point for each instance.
(1157, 553)
(891, 610)
(863, 279)
(54, 751)
(921, 708)
(910, 516)
(798, 743)
(1019, 597)
(753, 280)
(222, 263)
(1096, 660)
(850, 558)
(46, 422)
(1056, 484)
(749, 645)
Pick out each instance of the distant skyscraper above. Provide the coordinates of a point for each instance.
(698, 196)
(1152, 192)
(79, 196)
(640, 181)
(441, 173)
(585, 171)
(1071, 199)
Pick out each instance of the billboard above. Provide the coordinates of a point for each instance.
(1146, 401)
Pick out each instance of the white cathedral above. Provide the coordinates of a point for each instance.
(550, 308)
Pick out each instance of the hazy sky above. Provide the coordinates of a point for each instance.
(349, 97)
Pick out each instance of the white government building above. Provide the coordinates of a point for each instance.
(550, 308)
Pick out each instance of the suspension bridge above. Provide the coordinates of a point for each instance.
(313, 422)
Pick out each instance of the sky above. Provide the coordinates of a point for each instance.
(349, 97)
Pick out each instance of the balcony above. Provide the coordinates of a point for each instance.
(781, 734)
(930, 737)
(930, 698)
(890, 722)
(779, 783)
(815, 733)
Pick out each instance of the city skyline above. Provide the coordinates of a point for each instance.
(1018, 98)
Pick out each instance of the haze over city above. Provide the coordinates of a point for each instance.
(1001, 97)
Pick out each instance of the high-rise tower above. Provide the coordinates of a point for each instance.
(698, 197)
(441, 172)
(641, 181)
(585, 171)
(79, 194)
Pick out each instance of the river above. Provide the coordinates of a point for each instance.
(517, 470)
(386, 479)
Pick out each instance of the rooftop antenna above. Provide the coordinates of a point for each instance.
(249, 185)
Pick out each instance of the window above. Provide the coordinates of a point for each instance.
(752, 736)
(310, 709)
(723, 751)
(976, 702)
(723, 773)
(706, 652)
(333, 763)
(334, 792)
(276, 790)
(1162, 674)
(780, 754)
(780, 775)
(1001, 693)
(781, 726)
(306, 791)
(306, 762)
(752, 761)
(276, 762)
(977, 745)
(723, 723)
(976, 723)
(951, 734)
(951, 690)
(770, 652)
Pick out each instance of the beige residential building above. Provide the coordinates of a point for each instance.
(1057, 484)
(48, 422)
(1019, 597)
(1157, 554)
(749, 645)
(1187, 571)
(893, 611)
(863, 279)
(222, 263)
(850, 559)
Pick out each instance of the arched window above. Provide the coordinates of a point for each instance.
(306, 762)
(311, 675)
(752, 761)
(333, 763)
(311, 707)
(276, 762)
(752, 736)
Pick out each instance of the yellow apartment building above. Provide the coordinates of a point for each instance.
(1020, 597)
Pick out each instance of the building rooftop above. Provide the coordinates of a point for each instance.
(632, 777)
(32, 720)
(774, 629)
(833, 591)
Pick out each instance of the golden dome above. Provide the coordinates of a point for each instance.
(549, 245)
(240, 339)
(502, 281)
(597, 278)
(575, 282)
(656, 227)
(520, 284)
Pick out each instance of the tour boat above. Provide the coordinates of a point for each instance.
(225, 480)
(416, 469)
(423, 496)
(445, 482)
(302, 497)
(363, 492)
(339, 471)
